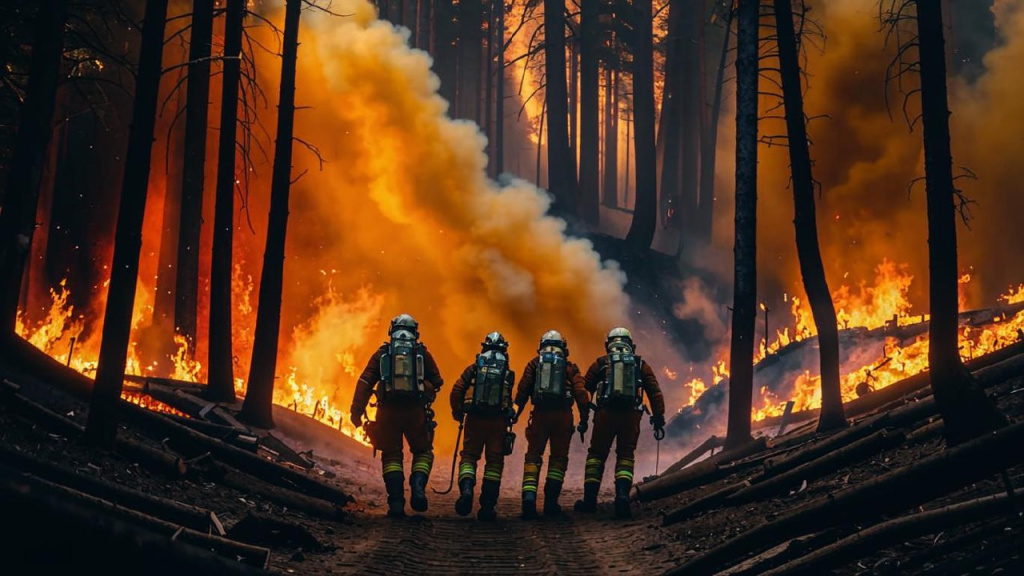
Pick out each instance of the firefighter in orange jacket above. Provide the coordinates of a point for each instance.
(483, 396)
(619, 381)
(552, 384)
(405, 379)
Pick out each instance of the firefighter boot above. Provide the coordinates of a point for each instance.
(622, 486)
(418, 487)
(589, 502)
(394, 482)
(464, 505)
(488, 500)
(529, 505)
(552, 490)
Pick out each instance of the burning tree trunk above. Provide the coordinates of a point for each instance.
(561, 177)
(186, 291)
(589, 117)
(117, 318)
(499, 104)
(965, 409)
(741, 352)
(221, 380)
(709, 145)
(17, 220)
(808, 251)
(470, 42)
(259, 396)
(645, 212)
(610, 194)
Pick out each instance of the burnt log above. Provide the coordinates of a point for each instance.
(710, 444)
(704, 503)
(893, 532)
(892, 492)
(699, 474)
(252, 555)
(55, 535)
(316, 507)
(193, 442)
(773, 466)
(193, 517)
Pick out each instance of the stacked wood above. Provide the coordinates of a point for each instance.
(699, 474)
(710, 444)
(893, 532)
(897, 490)
(248, 484)
(58, 535)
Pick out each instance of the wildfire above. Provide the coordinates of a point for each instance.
(150, 403)
(669, 373)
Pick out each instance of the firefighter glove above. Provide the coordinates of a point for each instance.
(658, 422)
(357, 419)
(582, 426)
(457, 415)
(512, 416)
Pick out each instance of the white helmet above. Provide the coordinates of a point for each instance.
(619, 337)
(404, 322)
(554, 338)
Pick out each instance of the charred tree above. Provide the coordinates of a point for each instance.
(445, 55)
(590, 140)
(744, 303)
(610, 193)
(17, 220)
(186, 291)
(561, 174)
(689, 88)
(966, 411)
(805, 221)
(117, 318)
(425, 17)
(257, 408)
(470, 59)
(221, 381)
(669, 128)
(709, 144)
(645, 212)
(499, 102)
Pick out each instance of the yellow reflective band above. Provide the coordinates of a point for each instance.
(389, 467)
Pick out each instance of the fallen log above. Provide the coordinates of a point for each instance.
(699, 474)
(242, 482)
(151, 458)
(187, 440)
(775, 466)
(893, 532)
(179, 513)
(824, 464)
(245, 553)
(780, 554)
(926, 432)
(711, 443)
(703, 504)
(898, 490)
(58, 536)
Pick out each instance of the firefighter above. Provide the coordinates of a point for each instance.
(551, 383)
(618, 381)
(405, 379)
(483, 396)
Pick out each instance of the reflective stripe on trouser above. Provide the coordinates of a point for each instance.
(552, 427)
(396, 422)
(621, 427)
(483, 434)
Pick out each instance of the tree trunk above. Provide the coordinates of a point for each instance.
(186, 291)
(18, 218)
(445, 52)
(744, 313)
(256, 409)
(669, 127)
(645, 213)
(117, 318)
(689, 90)
(470, 41)
(811, 268)
(499, 103)
(220, 379)
(709, 146)
(610, 194)
(561, 178)
(488, 91)
(574, 109)
(590, 139)
(425, 15)
(965, 409)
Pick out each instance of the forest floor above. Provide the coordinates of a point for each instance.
(364, 541)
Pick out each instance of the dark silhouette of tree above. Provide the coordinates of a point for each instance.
(804, 220)
(499, 103)
(965, 409)
(590, 128)
(709, 143)
(445, 54)
(561, 172)
(690, 99)
(186, 291)
(258, 405)
(744, 313)
(610, 193)
(221, 382)
(117, 319)
(17, 220)
(669, 126)
(645, 212)
(470, 60)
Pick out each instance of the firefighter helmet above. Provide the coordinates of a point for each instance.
(404, 322)
(619, 336)
(494, 341)
(554, 338)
